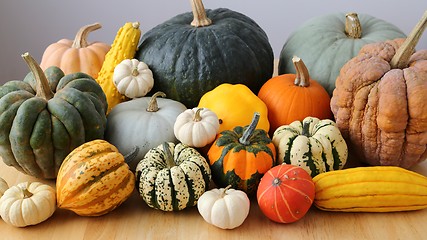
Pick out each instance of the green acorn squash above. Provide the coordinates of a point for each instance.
(189, 58)
(45, 116)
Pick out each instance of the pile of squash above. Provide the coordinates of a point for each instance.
(188, 114)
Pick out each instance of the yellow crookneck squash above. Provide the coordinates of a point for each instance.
(124, 47)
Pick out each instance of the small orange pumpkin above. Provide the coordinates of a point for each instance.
(292, 97)
(78, 55)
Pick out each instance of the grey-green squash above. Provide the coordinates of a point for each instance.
(46, 115)
(315, 145)
(191, 57)
(172, 177)
(328, 41)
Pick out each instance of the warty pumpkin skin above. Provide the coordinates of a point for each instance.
(47, 115)
(326, 43)
(380, 102)
(241, 156)
(188, 61)
(77, 55)
(94, 179)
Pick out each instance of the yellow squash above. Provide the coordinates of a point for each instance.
(94, 179)
(124, 47)
(371, 189)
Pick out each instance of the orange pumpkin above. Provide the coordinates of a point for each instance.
(78, 55)
(292, 97)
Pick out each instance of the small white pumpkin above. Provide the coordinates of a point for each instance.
(133, 78)
(225, 208)
(196, 127)
(27, 204)
(3, 186)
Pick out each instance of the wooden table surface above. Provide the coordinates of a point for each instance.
(135, 220)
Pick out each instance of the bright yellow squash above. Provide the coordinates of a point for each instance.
(94, 179)
(371, 189)
(124, 47)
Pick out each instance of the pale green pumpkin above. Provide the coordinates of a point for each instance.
(327, 42)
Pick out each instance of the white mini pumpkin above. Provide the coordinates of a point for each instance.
(225, 208)
(133, 78)
(196, 127)
(27, 204)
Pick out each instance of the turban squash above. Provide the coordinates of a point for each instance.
(47, 115)
(191, 54)
(380, 102)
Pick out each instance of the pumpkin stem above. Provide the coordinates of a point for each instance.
(169, 158)
(199, 14)
(152, 105)
(135, 72)
(403, 54)
(80, 41)
(306, 129)
(27, 194)
(223, 193)
(131, 156)
(353, 29)
(277, 181)
(302, 77)
(197, 117)
(42, 84)
(249, 130)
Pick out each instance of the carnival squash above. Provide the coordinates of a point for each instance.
(293, 97)
(234, 104)
(94, 179)
(172, 177)
(145, 122)
(315, 145)
(328, 41)
(285, 193)
(47, 115)
(241, 156)
(380, 102)
(77, 55)
(192, 53)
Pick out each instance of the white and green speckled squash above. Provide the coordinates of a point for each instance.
(315, 145)
(172, 177)
(327, 42)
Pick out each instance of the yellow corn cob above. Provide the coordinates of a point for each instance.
(124, 47)
(370, 189)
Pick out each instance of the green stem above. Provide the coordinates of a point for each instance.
(152, 105)
(169, 157)
(250, 130)
(42, 84)
(306, 129)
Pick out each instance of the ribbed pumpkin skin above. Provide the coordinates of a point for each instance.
(187, 61)
(36, 135)
(94, 179)
(315, 145)
(371, 189)
(285, 193)
(172, 188)
(241, 166)
(325, 48)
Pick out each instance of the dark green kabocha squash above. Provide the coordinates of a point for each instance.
(191, 57)
(45, 116)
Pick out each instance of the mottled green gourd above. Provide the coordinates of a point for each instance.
(47, 115)
(327, 42)
(192, 53)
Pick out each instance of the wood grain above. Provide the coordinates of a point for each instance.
(135, 220)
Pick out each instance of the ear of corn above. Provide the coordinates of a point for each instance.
(371, 189)
(124, 47)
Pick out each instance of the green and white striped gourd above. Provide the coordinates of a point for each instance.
(312, 144)
(172, 177)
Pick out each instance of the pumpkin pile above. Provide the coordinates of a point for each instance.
(188, 115)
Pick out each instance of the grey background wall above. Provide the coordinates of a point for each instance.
(29, 25)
